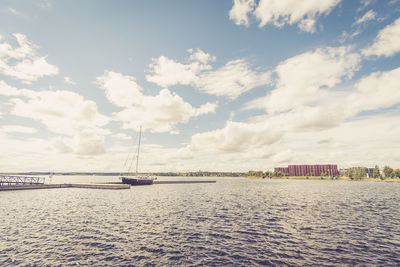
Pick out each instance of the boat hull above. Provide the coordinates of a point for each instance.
(137, 181)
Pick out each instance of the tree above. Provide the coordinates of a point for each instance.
(363, 173)
(376, 173)
(356, 173)
(387, 171)
(349, 173)
(268, 174)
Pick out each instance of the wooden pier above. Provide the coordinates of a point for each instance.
(185, 182)
(33, 186)
(177, 182)
(13, 182)
(101, 186)
(51, 186)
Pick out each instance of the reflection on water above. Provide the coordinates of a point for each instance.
(233, 222)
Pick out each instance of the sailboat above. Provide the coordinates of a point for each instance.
(138, 179)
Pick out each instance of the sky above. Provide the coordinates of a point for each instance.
(215, 85)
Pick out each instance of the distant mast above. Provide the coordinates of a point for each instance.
(138, 150)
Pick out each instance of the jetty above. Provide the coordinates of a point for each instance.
(176, 182)
(51, 186)
(15, 182)
(18, 182)
(186, 182)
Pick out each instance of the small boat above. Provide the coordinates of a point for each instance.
(138, 179)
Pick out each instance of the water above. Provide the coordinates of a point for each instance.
(234, 222)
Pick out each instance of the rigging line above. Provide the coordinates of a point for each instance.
(137, 155)
(131, 161)
(129, 154)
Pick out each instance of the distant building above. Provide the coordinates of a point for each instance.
(310, 170)
(343, 172)
(369, 172)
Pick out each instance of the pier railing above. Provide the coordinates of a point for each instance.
(20, 180)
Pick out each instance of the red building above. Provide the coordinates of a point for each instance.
(310, 170)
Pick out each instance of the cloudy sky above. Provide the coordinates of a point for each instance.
(216, 85)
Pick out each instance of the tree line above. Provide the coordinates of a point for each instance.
(357, 173)
(354, 173)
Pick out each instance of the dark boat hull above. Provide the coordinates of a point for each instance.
(137, 181)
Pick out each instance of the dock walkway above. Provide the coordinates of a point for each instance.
(50, 186)
(108, 185)
(185, 182)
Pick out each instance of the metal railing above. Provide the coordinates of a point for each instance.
(20, 180)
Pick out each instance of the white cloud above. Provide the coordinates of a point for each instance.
(63, 145)
(346, 35)
(166, 72)
(273, 132)
(45, 3)
(281, 12)
(377, 90)
(17, 129)
(364, 4)
(240, 10)
(121, 90)
(68, 80)
(201, 56)
(22, 62)
(13, 11)
(121, 136)
(387, 42)
(377, 133)
(304, 78)
(159, 113)
(25, 49)
(90, 145)
(206, 108)
(230, 80)
(64, 113)
(370, 15)
(7, 90)
(46, 154)
(360, 24)
(30, 70)
(83, 144)
(237, 137)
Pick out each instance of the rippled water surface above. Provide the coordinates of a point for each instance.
(236, 222)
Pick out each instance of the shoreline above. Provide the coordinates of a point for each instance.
(343, 178)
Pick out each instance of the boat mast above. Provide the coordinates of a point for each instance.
(137, 157)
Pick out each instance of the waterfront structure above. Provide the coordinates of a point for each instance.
(365, 172)
(343, 172)
(310, 170)
(369, 172)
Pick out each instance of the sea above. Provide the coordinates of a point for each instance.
(233, 222)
